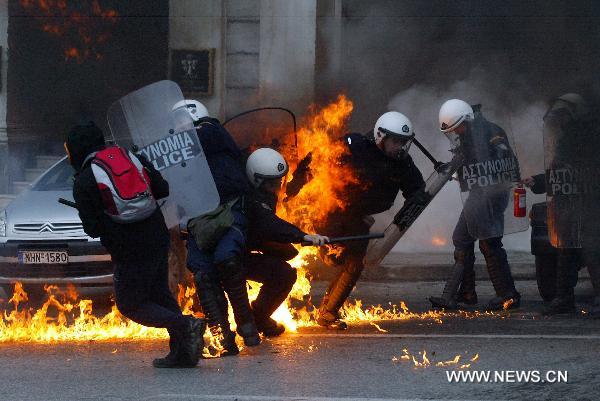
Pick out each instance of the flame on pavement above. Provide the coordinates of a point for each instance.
(422, 361)
(65, 317)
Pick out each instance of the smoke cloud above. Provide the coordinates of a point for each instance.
(521, 120)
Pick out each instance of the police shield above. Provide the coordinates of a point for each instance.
(487, 178)
(572, 170)
(145, 122)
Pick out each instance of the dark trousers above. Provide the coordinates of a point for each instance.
(231, 245)
(277, 278)
(142, 290)
(493, 252)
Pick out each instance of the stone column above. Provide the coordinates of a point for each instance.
(3, 100)
(287, 53)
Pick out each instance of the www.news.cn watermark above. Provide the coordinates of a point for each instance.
(507, 376)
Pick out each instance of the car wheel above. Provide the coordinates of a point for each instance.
(545, 273)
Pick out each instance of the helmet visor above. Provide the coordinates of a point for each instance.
(454, 139)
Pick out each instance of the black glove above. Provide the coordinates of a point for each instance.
(302, 175)
(420, 198)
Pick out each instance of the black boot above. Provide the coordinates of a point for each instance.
(448, 298)
(564, 304)
(263, 308)
(330, 320)
(172, 360)
(337, 293)
(233, 278)
(272, 294)
(269, 327)
(214, 305)
(192, 342)
(466, 292)
(507, 296)
(566, 280)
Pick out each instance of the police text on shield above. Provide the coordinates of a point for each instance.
(489, 173)
(172, 150)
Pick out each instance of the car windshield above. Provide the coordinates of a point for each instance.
(58, 178)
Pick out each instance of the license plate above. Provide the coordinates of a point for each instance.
(43, 257)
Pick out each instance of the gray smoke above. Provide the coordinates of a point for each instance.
(510, 56)
(522, 120)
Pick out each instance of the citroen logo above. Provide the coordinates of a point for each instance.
(47, 227)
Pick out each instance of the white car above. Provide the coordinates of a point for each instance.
(43, 242)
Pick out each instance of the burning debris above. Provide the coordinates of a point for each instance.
(422, 361)
(378, 328)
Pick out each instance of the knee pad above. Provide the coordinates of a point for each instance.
(230, 267)
(490, 245)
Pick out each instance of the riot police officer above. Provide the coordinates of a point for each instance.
(270, 238)
(217, 240)
(383, 167)
(488, 170)
(571, 139)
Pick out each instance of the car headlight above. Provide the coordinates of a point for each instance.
(3, 223)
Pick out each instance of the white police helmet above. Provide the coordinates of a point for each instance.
(265, 163)
(452, 113)
(195, 109)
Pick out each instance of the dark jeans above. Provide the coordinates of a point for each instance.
(465, 242)
(142, 290)
(232, 244)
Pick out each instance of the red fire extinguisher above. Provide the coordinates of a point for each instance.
(520, 201)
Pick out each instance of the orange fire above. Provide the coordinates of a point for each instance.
(85, 23)
(438, 241)
(324, 192)
(64, 317)
(422, 361)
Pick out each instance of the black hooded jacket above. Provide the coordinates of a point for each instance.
(123, 241)
(224, 159)
(379, 177)
(264, 226)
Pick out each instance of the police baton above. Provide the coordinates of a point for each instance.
(67, 203)
(422, 148)
(338, 240)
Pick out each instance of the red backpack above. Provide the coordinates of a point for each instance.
(124, 185)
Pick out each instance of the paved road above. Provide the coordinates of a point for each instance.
(362, 363)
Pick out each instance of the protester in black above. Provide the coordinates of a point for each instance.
(139, 252)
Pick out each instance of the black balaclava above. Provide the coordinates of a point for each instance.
(81, 141)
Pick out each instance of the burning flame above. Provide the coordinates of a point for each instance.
(85, 23)
(324, 192)
(438, 241)
(64, 317)
(422, 361)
